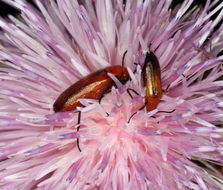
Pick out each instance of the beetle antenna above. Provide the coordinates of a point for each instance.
(166, 111)
(150, 44)
(123, 58)
(132, 116)
(137, 111)
(151, 116)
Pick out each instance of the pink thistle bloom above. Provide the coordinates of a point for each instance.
(46, 50)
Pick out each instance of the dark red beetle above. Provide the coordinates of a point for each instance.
(93, 86)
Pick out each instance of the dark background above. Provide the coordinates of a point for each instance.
(5, 9)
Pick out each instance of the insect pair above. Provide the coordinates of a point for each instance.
(97, 84)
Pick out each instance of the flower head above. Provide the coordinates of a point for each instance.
(122, 146)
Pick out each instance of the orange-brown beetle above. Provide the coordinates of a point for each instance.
(152, 80)
(151, 76)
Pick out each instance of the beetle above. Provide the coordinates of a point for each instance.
(92, 86)
(151, 77)
(152, 80)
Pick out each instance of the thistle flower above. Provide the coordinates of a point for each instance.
(49, 48)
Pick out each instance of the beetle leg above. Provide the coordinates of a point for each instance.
(165, 90)
(78, 128)
(128, 91)
(135, 67)
(102, 95)
(168, 86)
(105, 91)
